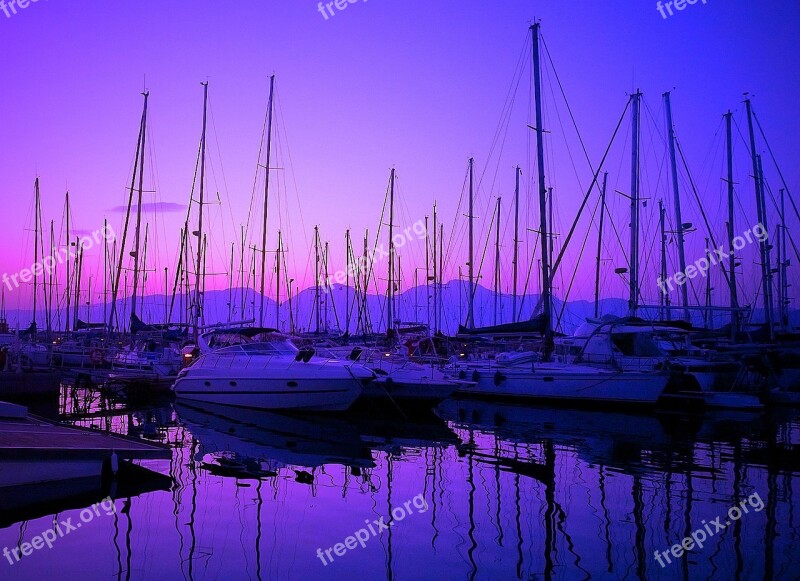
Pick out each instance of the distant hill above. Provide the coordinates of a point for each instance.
(411, 307)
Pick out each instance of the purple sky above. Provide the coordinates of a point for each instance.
(415, 85)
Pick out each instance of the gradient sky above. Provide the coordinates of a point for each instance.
(419, 86)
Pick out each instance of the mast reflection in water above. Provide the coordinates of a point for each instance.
(513, 493)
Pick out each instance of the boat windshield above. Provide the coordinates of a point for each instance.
(271, 348)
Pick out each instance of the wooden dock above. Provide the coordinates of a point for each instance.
(34, 450)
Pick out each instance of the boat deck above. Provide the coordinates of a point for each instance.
(31, 436)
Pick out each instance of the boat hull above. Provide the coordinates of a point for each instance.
(558, 383)
(271, 393)
(409, 389)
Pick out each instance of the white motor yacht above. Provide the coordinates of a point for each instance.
(269, 372)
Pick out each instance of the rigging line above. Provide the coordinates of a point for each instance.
(702, 211)
(281, 118)
(566, 102)
(777, 167)
(563, 133)
(155, 180)
(454, 229)
(648, 255)
(575, 270)
(609, 215)
(483, 232)
(528, 276)
(370, 271)
(506, 111)
(180, 266)
(222, 171)
(564, 247)
(777, 209)
(255, 177)
(483, 257)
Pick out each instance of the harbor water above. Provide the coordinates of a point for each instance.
(475, 490)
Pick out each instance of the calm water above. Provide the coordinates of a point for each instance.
(484, 491)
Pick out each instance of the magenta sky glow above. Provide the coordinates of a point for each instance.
(419, 86)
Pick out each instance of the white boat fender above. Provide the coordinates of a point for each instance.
(114, 463)
(499, 378)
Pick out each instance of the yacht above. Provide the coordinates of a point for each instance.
(632, 344)
(267, 371)
(526, 378)
(399, 378)
(147, 361)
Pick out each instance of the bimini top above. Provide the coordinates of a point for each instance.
(220, 338)
(243, 331)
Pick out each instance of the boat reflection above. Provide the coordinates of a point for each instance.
(512, 492)
(253, 442)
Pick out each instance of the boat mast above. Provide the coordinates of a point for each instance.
(328, 288)
(600, 247)
(766, 267)
(67, 285)
(79, 274)
(497, 262)
(364, 311)
(707, 314)
(471, 218)
(390, 287)
(89, 302)
(166, 295)
(399, 285)
(278, 281)
(427, 275)
(137, 233)
(242, 305)
(116, 279)
(316, 277)
(441, 273)
(205, 263)
(633, 300)
(734, 299)
(230, 284)
(105, 272)
(551, 222)
(767, 246)
(677, 202)
(348, 252)
(52, 279)
(517, 173)
(186, 275)
(35, 252)
(543, 227)
(663, 301)
(784, 267)
(435, 272)
(196, 308)
(266, 197)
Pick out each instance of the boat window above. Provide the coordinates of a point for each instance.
(271, 348)
(635, 344)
